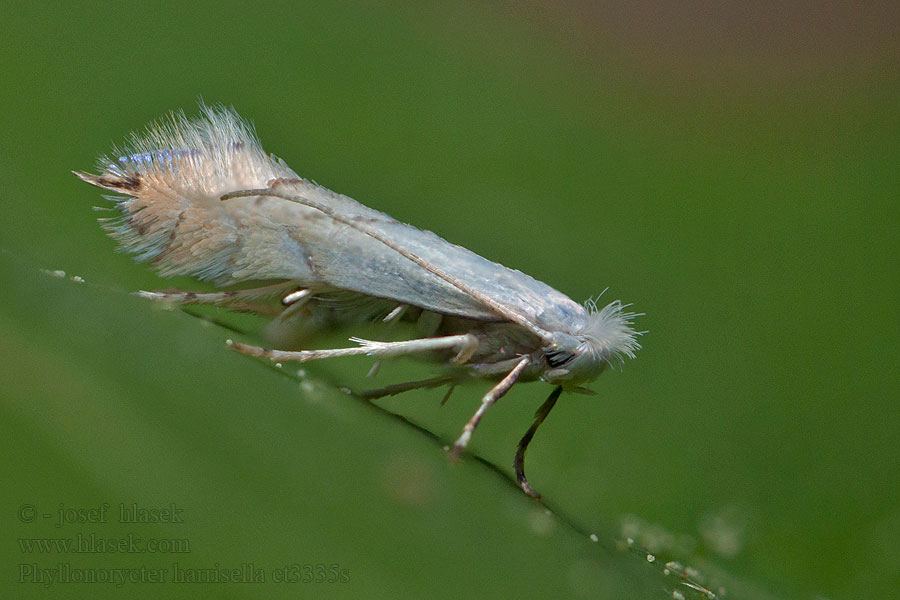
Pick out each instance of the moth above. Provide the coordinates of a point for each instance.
(201, 198)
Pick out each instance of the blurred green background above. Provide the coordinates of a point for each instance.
(731, 170)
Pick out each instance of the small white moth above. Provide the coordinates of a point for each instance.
(201, 198)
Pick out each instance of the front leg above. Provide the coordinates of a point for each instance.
(519, 460)
(489, 399)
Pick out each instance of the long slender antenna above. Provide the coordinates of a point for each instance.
(490, 303)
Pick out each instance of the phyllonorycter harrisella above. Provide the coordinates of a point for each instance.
(201, 198)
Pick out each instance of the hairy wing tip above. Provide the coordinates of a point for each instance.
(91, 179)
(124, 184)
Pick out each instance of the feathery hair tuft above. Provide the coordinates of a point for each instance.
(610, 330)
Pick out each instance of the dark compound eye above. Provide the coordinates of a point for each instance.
(557, 358)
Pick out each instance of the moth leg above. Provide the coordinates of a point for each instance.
(176, 296)
(490, 398)
(375, 368)
(293, 303)
(296, 296)
(399, 388)
(390, 319)
(465, 343)
(448, 393)
(395, 314)
(519, 460)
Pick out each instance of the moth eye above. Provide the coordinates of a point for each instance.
(558, 358)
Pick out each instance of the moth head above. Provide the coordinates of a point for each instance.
(607, 336)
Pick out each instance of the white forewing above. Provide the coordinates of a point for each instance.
(174, 175)
(350, 259)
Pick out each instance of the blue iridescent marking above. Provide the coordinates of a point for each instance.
(163, 157)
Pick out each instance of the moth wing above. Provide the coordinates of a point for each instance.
(173, 176)
(347, 256)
